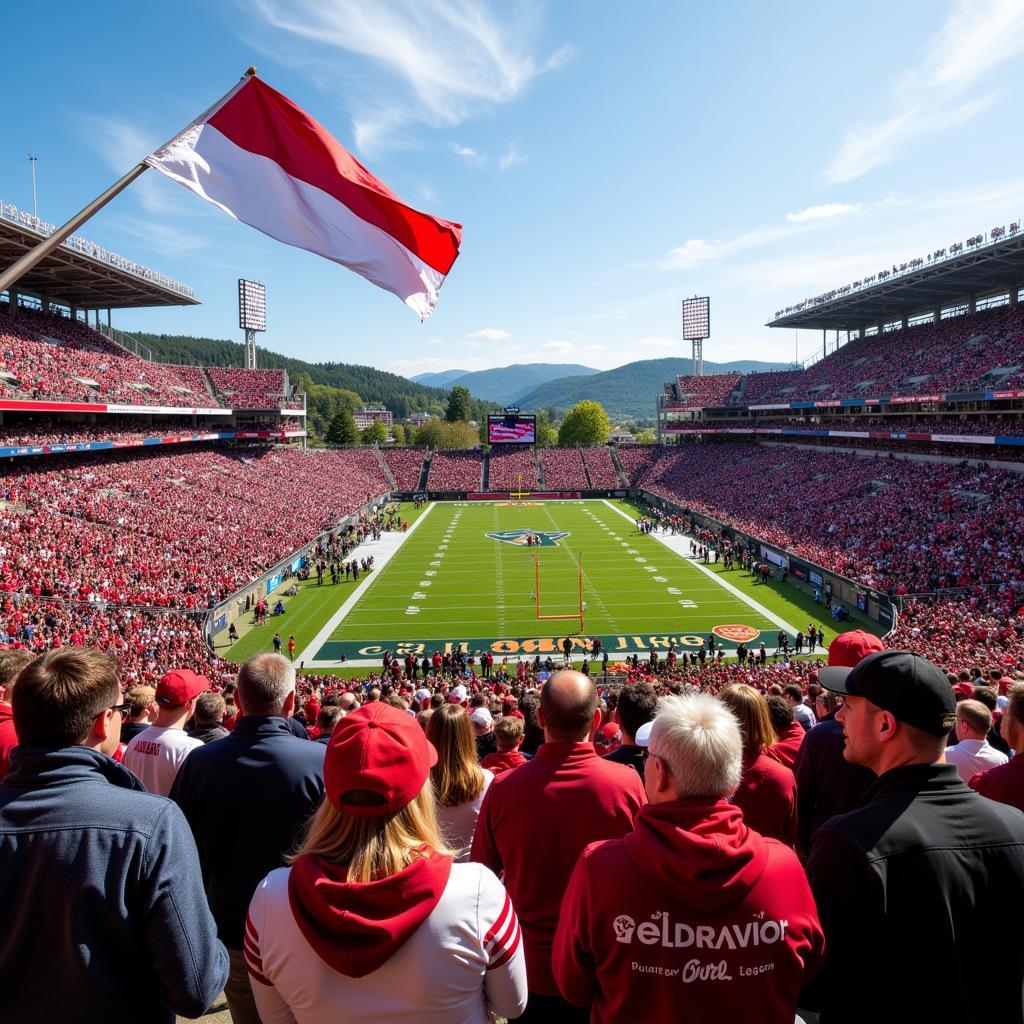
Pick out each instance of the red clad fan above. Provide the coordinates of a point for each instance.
(706, 919)
(566, 797)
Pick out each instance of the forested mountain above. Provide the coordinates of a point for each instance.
(630, 391)
(374, 387)
(505, 384)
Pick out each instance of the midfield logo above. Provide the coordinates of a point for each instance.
(521, 538)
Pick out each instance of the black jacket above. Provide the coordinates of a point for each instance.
(920, 894)
(246, 798)
(826, 783)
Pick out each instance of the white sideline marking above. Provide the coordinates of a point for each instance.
(380, 559)
(676, 543)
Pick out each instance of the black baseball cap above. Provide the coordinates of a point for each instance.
(908, 686)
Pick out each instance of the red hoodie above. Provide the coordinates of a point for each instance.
(704, 920)
(355, 927)
(787, 746)
(767, 797)
(8, 738)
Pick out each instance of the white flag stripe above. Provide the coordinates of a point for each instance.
(258, 192)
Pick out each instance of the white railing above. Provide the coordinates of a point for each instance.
(13, 215)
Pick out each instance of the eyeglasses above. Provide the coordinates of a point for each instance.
(122, 709)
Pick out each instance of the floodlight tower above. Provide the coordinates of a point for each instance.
(696, 328)
(252, 316)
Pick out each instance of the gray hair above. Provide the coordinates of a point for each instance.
(700, 741)
(264, 682)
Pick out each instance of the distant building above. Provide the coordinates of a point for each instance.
(417, 419)
(364, 417)
(621, 437)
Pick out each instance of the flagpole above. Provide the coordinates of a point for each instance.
(34, 256)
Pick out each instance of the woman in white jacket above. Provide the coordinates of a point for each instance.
(373, 922)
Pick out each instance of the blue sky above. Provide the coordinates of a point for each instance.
(605, 159)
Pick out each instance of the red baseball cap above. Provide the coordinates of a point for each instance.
(380, 749)
(179, 686)
(846, 652)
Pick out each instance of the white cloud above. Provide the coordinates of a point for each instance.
(697, 251)
(428, 193)
(122, 144)
(511, 157)
(976, 37)
(470, 155)
(823, 212)
(490, 334)
(557, 346)
(438, 61)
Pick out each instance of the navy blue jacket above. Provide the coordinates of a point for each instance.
(104, 915)
(247, 798)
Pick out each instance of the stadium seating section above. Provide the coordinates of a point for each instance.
(45, 357)
(710, 390)
(564, 469)
(512, 466)
(455, 471)
(405, 464)
(963, 353)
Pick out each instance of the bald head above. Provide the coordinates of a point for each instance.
(568, 707)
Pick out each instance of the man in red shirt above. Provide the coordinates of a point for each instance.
(693, 916)
(1005, 782)
(12, 661)
(536, 821)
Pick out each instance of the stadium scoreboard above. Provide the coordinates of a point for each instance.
(511, 428)
(252, 305)
(697, 318)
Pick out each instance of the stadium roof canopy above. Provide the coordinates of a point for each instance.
(83, 274)
(977, 272)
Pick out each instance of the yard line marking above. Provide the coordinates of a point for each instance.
(680, 545)
(380, 559)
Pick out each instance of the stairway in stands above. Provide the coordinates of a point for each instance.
(623, 478)
(421, 484)
(386, 469)
(539, 465)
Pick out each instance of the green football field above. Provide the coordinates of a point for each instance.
(463, 576)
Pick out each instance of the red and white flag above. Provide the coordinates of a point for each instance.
(270, 165)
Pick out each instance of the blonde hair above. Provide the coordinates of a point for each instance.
(376, 846)
(457, 777)
(751, 711)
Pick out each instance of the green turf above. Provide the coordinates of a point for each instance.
(452, 584)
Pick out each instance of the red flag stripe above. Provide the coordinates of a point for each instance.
(264, 122)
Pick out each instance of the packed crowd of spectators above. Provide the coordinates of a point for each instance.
(563, 468)
(455, 471)
(1008, 425)
(251, 389)
(956, 354)
(510, 466)
(45, 356)
(709, 390)
(890, 524)
(406, 465)
(170, 528)
(600, 468)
